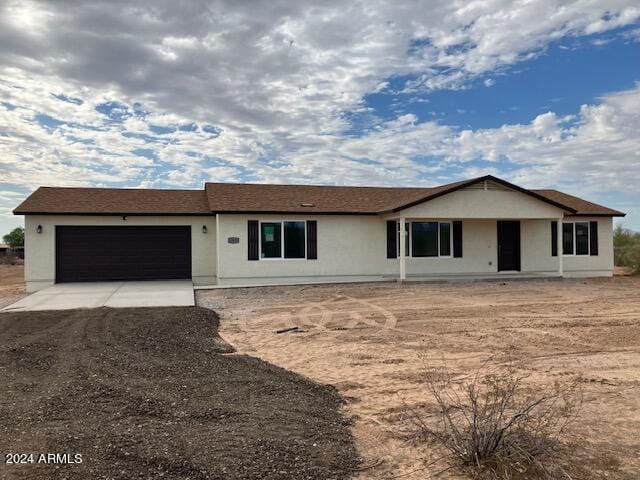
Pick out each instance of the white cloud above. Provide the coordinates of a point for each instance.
(277, 79)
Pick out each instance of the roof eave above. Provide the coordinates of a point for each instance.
(600, 214)
(119, 214)
(288, 212)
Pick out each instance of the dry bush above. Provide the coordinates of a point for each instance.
(494, 427)
(10, 259)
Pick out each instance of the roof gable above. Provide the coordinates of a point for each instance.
(454, 187)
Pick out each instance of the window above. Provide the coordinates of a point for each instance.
(271, 240)
(575, 238)
(567, 238)
(426, 239)
(294, 240)
(283, 240)
(582, 238)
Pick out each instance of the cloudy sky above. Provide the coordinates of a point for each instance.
(171, 94)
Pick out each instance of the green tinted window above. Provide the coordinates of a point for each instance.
(271, 240)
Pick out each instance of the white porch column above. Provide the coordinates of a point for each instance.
(403, 253)
(560, 263)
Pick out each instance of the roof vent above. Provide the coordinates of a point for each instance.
(307, 205)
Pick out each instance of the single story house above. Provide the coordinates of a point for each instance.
(248, 234)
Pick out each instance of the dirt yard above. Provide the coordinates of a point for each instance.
(146, 393)
(11, 284)
(367, 340)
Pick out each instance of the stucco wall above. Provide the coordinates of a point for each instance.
(598, 265)
(354, 247)
(40, 248)
(348, 246)
(535, 247)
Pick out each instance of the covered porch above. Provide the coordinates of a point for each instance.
(484, 229)
(468, 249)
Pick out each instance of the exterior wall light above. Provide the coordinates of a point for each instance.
(39, 229)
(204, 229)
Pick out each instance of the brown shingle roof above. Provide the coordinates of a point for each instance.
(264, 198)
(233, 197)
(583, 207)
(103, 201)
(238, 197)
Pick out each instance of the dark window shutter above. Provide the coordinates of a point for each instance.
(252, 239)
(391, 239)
(312, 240)
(457, 239)
(593, 236)
(554, 239)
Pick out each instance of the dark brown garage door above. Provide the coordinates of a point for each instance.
(92, 254)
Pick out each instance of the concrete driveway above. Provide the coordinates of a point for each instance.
(64, 296)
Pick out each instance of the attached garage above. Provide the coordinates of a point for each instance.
(110, 253)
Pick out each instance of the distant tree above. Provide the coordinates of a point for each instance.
(15, 238)
(626, 247)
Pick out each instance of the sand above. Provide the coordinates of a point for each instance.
(370, 341)
(11, 284)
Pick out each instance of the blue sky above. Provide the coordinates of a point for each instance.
(566, 75)
(544, 94)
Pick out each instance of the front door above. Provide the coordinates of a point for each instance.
(508, 245)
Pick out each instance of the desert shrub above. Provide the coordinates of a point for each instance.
(493, 426)
(10, 259)
(626, 248)
(628, 256)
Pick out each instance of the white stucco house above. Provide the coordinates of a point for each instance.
(248, 234)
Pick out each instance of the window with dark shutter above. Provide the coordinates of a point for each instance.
(554, 239)
(312, 240)
(582, 238)
(457, 239)
(391, 239)
(593, 237)
(567, 238)
(252, 239)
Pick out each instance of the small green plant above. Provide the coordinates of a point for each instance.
(493, 426)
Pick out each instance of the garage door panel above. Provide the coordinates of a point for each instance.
(122, 253)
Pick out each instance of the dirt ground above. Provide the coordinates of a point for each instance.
(146, 393)
(11, 284)
(368, 341)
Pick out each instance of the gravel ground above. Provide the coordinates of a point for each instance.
(147, 393)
